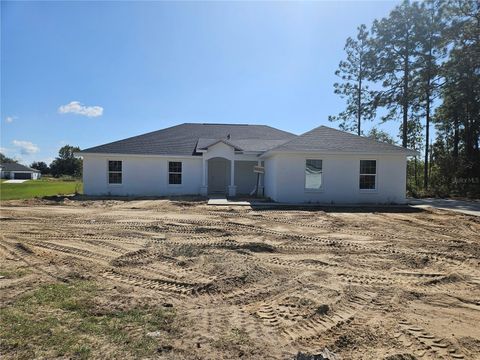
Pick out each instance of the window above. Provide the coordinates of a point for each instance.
(114, 172)
(174, 172)
(368, 174)
(313, 174)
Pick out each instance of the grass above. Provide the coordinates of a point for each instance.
(13, 274)
(38, 188)
(63, 320)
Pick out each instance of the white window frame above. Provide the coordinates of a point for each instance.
(305, 176)
(174, 172)
(360, 174)
(117, 172)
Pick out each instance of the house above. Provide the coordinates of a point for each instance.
(18, 171)
(323, 165)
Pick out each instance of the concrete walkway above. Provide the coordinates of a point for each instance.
(462, 206)
(14, 181)
(466, 207)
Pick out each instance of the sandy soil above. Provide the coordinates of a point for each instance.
(364, 283)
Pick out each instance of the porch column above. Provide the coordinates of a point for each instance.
(260, 183)
(204, 187)
(232, 189)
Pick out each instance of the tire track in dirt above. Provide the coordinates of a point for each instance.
(424, 343)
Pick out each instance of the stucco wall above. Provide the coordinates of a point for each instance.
(146, 176)
(270, 187)
(285, 179)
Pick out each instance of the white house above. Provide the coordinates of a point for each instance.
(324, 165)
(18, 171)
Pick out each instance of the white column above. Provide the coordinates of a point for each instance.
(232, 189)
(260, 183)
(204, 187)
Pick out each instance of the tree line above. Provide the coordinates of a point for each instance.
(65, 164)
(420, 65)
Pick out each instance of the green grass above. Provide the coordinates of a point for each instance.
(38, 188)
(64, 320)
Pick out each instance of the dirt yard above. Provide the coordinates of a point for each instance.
(182, 280)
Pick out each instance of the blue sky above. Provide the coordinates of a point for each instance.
(87, 73)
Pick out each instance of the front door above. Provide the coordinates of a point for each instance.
(217, 176)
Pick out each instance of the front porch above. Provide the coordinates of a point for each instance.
(229, 172)
(230, 177)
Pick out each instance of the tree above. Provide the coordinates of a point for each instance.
(380, 135)
(354, 72)
(40, 166)
(6, 160)
(457, 119)
(395, 41)
(414, 142)
(432, 47)
(66, 163)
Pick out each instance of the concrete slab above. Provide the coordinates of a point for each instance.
(225, 201)
(14, 181)
(461, 206)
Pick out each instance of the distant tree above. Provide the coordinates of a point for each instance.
(414, 142)
(380, 135)
(66, 163)
(6, 160)
(432, 49)
(40, 166)
(354, 73)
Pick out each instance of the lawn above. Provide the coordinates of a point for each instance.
(38, 188)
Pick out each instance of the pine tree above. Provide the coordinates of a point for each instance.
(354, 72)
(395, 46)
(431, 50)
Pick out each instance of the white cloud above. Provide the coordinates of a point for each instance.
(26, 147)
(9, 119)
(76, 107)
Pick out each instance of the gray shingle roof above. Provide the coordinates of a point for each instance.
(182, 139)
(254, 145)
(16, 167)
(326, 139)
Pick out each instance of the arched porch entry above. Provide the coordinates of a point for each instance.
(219, 173)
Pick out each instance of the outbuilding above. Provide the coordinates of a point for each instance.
(16, 171)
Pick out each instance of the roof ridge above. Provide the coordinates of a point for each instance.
(297, 136)
(366, 138)
(193, 123)
(342, 133)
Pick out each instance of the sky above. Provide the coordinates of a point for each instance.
(86, 73)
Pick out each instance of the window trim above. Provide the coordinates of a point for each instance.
(108, 173)
(174, 172)
(312, 190)
(376, 176)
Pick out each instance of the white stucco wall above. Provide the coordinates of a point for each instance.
(285, 179)
(270, 183)
(141, 175)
